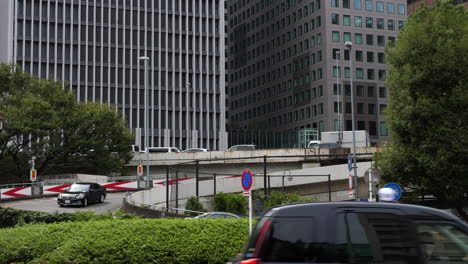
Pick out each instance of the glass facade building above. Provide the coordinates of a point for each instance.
(93, 48)
(289, 68)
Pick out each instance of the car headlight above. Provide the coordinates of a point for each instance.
(80, 196)
(60, 196)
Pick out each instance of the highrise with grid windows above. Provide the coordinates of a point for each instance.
(283, 57)
(93, 48)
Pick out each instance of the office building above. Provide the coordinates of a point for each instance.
(93, 48)
(289, 68)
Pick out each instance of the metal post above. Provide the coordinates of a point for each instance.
(349, 45)
(177, 191)
(167, 188)
(338, 91)
(214, 184)
(146, 60)
(329, 187)
(269, 185)
(370, 186)
(196, 178)
(265, 175)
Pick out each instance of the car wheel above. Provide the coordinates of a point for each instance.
(85, 202)
(102, 198)
(61, 205)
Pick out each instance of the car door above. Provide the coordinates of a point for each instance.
(443, 241)
(374, 235)
(94, 192)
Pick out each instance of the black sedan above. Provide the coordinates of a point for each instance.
(82, 193)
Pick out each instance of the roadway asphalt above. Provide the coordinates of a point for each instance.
(49, 204)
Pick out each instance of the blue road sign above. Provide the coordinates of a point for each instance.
(395, 187)
(246, 180)
(350, 163)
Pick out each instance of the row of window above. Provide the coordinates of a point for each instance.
(122, 77)
(299, 98)
(75, 54)
(358, 38)
(359, 55)
(271, 14)
(359, 74)
(64, 11)
(360, 108)
(360, 91)
(369, 6)
(369, 22)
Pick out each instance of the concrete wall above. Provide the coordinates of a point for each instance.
(6, 30)
(304, 185)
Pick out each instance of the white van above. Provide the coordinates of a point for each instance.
(162, 149)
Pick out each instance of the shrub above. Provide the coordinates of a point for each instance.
(10, 217)
(126, 241)
(194, 204)
(278, 198)
(230, 202)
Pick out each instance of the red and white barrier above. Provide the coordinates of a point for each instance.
(55, 189)
(15, 192)
(125, 185)
(171, 182)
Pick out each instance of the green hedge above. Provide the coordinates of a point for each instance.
(10, 217)
(125, 241)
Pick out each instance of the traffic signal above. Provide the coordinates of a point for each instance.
(140, 170)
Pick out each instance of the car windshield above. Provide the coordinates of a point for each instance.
(79, 188)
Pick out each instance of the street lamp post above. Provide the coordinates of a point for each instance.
(146, 60)
(338, 91)
(349, 45)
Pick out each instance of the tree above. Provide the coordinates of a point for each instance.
(43, 120)
(428, 105)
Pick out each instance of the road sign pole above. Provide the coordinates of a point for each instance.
(250, 213)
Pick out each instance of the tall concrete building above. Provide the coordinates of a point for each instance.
(289, 68)
(94, 46)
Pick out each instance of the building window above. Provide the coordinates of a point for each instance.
(401, 9)
(382, 75)
(348, 108)
(336, 71)
(370, 56)
(358, 38)
(335, 3)
(379, 6)
(371, 109)
(382, 108)
(359, 73)
(358, 21)
(401, 24)
(380, 23)
(368, 5)
(382, 92)
(360, 90)
(357, 4)
(370, 74)
(381, 57)
(372, 128)
(320, 108)
(391, 24)
(335, 19)
(359, 55)
(369, 22)
(346, 20)
(347, 90)
(346, 37)
(390, 8)
(336, 54)
(346, 4)
(347, 72)
(383, 129)
(370, 91)
(369, 39)
(336, 36)
(360, 108)
(381, 40)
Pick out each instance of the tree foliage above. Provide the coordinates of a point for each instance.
(43, 120)
(428, 104)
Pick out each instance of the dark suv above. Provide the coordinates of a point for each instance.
(357, 232)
